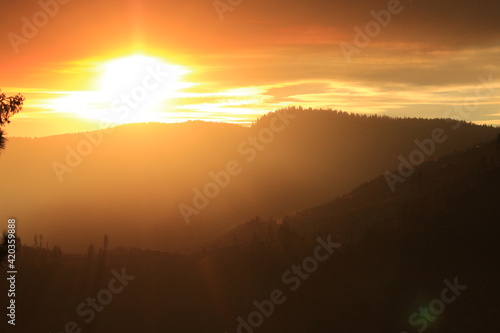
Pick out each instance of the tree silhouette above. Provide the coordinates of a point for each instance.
(3, 247)
(90, 251)
(9, 106)
(106, 242)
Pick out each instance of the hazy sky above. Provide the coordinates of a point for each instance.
(427, 59)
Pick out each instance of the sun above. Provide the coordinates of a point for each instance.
(137, 71)
(129, 89)
(135, 87)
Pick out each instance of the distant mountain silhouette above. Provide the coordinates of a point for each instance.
(441, 188)
(131, 184)
(398, 251)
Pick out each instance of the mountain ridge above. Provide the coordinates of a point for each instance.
(133, 182)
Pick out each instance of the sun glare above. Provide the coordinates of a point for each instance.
(130, 89)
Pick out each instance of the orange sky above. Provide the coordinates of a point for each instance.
(428, 58)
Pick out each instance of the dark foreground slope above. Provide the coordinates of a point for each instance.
(132, 181)
(433, 243)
